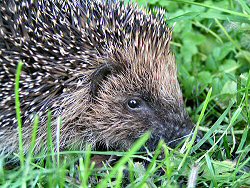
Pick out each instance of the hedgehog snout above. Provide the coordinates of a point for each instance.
(172, 131)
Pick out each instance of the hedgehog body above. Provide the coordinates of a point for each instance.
(105, 68)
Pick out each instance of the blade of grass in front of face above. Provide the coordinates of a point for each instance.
(151, 168)
(18, 112)
(170, 165)
(82, 172)
(118, 181)
(33, 140)
(49, 142)
(131, 171)
(190, 144)
(138, 144)
(167, 162)
(19, 119)
(58, 128)
(50, 159)
(86, 167)
(31, 150)
(61, 173)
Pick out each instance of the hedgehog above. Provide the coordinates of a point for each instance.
(104, 67)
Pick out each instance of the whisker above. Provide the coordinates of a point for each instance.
(180, 138)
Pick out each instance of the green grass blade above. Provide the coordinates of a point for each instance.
(213, 128)
(18, 112)
(243, 139)
(119, 177)
(198, 24)
(211, 170)
(228, 36)
(58, 128)
(151, 169)
(138, 144)
(247, 97)
(190, 144)
(34, 134)
(244, 6)
(31, 150)
(86, 167)
(233, 119)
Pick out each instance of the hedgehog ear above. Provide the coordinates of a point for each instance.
(100, 75)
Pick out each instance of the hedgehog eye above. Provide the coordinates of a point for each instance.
(134, 103)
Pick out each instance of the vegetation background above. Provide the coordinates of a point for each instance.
(212, 45)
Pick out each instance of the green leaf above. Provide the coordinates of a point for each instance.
(229, 66)
(216, 85)
(204, 77)
(193, 38)
(188, 83)
(245, 55)
(188, 50)
(169, 6)
(229, 88)
(211, 64)
(221, 52)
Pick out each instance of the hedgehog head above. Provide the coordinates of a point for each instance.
(135, 91)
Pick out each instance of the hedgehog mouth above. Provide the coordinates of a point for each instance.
(170, 136)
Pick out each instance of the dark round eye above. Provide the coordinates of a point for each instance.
(134, 103)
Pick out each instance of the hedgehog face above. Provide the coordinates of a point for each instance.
(165, 121)
(129, 104)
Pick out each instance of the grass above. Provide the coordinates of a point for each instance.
(18, 113)
(212, 46)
